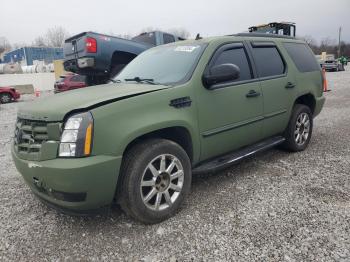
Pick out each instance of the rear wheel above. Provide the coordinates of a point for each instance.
(299, 130)
(5, 98)
(156, 179)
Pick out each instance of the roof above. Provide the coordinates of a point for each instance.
(240, 36)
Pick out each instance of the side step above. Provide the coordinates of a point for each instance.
(234, 157)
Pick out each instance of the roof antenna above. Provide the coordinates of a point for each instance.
(198, 37)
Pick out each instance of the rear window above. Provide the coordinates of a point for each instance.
(149, 38)
(78, 78)
(168, 38)
(268, 61)
(302, 57)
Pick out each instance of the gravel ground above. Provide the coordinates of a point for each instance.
(274, 206)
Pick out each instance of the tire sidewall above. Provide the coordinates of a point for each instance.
(5, 95)
(136, 173)
(299, 109)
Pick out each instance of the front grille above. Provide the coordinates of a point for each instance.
(29, 135)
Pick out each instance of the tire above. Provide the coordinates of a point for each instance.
(5, 98)
(299, 129)
(161, 192)
(116, 69)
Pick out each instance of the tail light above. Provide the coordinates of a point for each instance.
(90, 45)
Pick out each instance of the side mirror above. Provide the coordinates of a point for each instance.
(221, 73)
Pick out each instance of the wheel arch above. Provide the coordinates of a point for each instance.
(178, 134)
(308, 100)
(121, 58)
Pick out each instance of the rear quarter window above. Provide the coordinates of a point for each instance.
(302, 57)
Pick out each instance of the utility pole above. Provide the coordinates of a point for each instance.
(339, 42)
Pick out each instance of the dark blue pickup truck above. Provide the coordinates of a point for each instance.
(100, 57)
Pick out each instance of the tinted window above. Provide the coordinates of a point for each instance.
(302, 57)
(268, 61)
(238, 57)
(149, 38)
(78, 78)
(168, 38)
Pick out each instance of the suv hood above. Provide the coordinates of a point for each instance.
(53, 108)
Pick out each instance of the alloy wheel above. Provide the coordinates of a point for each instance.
(162, 182)
(302, 129)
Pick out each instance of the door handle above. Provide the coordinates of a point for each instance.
(290, 85)
(252, 93)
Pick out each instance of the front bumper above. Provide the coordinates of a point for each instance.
(77, 185)
(59, 90)
(16, 96)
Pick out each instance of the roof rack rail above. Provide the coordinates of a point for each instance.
(263, 35)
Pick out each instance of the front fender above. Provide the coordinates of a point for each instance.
(118, 124)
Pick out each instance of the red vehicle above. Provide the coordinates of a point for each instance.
(70, 82)
(8, 94)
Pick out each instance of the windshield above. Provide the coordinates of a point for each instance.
(170, 64)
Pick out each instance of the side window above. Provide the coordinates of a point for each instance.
(268, 61)
(168, 38)
(238, 57)
(302, 57)
(78, 78)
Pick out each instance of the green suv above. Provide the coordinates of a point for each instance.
(175, 111)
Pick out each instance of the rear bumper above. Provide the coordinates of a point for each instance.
(319, 105)
(79, 185)
(329, 66)
(74, 65)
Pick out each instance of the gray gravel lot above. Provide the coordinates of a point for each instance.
(274, 206)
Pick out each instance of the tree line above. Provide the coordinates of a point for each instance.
(328, 45)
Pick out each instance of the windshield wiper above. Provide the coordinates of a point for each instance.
(114, 80)
(142, 80)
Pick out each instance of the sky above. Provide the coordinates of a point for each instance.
(22, 20)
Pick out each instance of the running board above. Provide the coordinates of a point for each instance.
(236, 156)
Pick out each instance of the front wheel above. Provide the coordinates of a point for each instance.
(156, 179)
(299, 130)
(5, 98)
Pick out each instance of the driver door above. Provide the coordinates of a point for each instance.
(230, 114)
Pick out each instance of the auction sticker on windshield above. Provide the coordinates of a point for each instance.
(186, 48)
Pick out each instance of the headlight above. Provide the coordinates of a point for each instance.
(76, 138)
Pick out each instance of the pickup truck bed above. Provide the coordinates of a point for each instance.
(101, 57)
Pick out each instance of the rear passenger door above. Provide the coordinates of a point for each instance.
(277, 83)
(230, 113)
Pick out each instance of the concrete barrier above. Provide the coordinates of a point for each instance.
(24, 89)
(40, 81)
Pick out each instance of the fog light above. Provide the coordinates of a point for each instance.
(67, 149)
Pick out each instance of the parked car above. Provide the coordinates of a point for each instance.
(8, 94)
(175, 111)
(69, 82)
(102, 56)
(330, 63)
